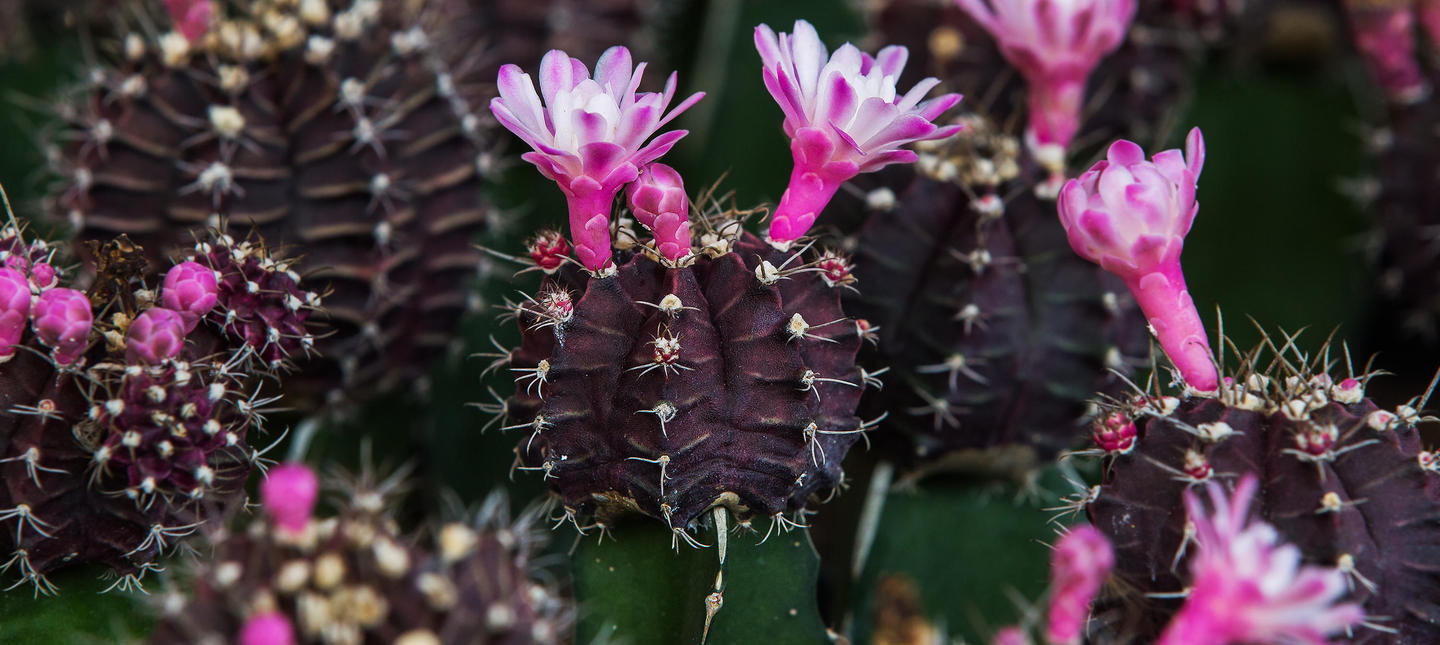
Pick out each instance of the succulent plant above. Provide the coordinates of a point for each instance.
(354, 578)
(128, 410)
(331, 127)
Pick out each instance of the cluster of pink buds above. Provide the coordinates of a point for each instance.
(844, 116)
(191, 17)
(288, 494)
(1247, 587)
(589, 135)
(1131, 216)
(1055, 44)
(1384, 34)
(62, 319)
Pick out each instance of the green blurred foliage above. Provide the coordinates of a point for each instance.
(80, 615)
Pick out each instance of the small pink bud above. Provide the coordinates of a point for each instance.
(191, 17)
(61, 319)
(1010, 636)
(270, 628)
(14, 310)
(43, 274)
(1348, 391)
(548, 249)
(289, 494)
(659, 202)
(191, 290)
(1115, 433)
(1131, 216)
(17, 262)
(1078, 567)
(1384, 34)
(155, 336)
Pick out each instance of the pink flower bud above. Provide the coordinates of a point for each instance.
(1131, 216)
(270, 628)
(1010, 636)
(61, 319)
(548, 249)
(14, 310)
(155, 336)
(289, 494)
(43, 274)
(1115, 433)
(191, 17)
(17, 262)
(1078, 567)
(1384, 34)
(191, 290)
(1055, 44)
(659, 202)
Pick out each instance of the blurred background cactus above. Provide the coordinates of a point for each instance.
(859, 407)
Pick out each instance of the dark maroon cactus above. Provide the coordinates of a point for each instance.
(114, 454)
(727, 379)
(331, 127)
(1345, 481)
(353, 578)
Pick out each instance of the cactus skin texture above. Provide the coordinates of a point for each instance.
(1346, 482)
(332, 128)
(728, 380)
(122, 452)
(353, 579)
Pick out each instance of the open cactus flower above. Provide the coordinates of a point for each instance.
(1130, 216)
(1056, 45)
(844, 115)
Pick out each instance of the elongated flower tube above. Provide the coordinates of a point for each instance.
(14, 310)
(589, 134)
(844, 117)
(62, 318)
(1055, 44)
(1248, 587)
(1131, 216)
(1384, 34)
(659, 202)
(1078, 567)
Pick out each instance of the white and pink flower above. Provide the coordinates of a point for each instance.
(1131, 217)
(589, 134)
(1055, 44)
(844, 116)
(1081, 562)
(1249, 587)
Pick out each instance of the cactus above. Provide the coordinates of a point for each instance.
(331, 127)
(352, 578)
(126, 426)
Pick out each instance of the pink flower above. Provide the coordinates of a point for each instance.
(1131, 216)
(1055, 44)
(191, 290)
(288, 494)
(62, 319)
(843, 115)
(658, 200)
(191, 17)
(1079, 566)
(155, 336)
(1010, 636)
(1247, 587)
(270, 628)
(1385, 37)
(14, 310)
(589, 135)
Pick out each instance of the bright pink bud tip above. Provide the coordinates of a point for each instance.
(1010, 636)
(271, 628)
(191, 290)
(658, 200)
(1078, 567)
(14, 310)
(191, 17)
(155, 336)
(1385, 37)
(1055, 44)
(289, 493)
(589, 134)
(1131, 216)
(61, 319)
(1248, 587)
(43, 274)
(844, 116)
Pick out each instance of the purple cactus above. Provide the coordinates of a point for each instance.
(155, 336)
(192, 290)
(62, 319)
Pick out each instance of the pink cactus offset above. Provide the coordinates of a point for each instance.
(191, 17)
(61, 319)
(844, 116)
(269, 628)
(1079, 566)
(589, 134)
(658, 200)
(1131, 216)
(14, 310)
(288, 494)
(1055, 44)
(191, 290)
(155, 336)
(1247, 587)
